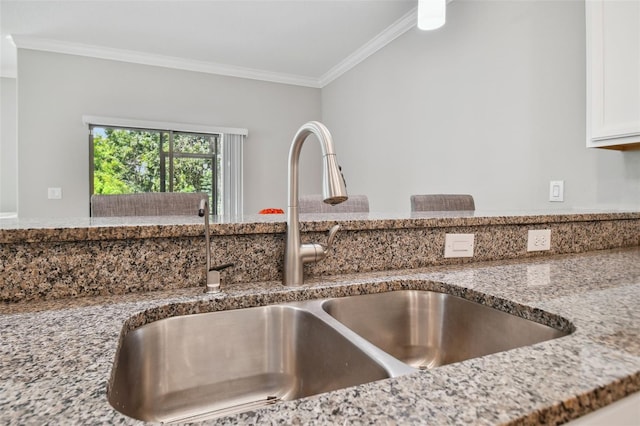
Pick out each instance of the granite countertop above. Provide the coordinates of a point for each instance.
(18, 230)
(56, 356)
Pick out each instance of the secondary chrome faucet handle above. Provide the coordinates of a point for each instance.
(222, 266)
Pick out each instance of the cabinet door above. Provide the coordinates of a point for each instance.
(613, 73)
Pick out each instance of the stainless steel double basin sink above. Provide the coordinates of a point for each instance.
(202, 366)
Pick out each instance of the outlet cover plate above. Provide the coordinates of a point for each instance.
(539, 240)
(54, 193)
(458, 245)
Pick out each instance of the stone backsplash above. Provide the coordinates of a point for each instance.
(100, 258)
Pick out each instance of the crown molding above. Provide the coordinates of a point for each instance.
(395, 30)
(57, 46)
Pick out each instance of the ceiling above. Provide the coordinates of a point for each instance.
(306, 42)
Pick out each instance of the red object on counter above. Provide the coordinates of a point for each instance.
(271, 211)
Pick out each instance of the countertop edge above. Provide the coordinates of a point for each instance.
(97, 229)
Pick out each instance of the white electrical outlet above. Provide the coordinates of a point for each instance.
(54, 193)
(458, 245)
(539, 240)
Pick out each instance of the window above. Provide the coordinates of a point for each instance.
(129, 158)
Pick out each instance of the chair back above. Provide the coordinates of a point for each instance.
(442, 202)
(147, 204)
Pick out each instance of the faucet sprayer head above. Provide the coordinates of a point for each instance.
(334, 190)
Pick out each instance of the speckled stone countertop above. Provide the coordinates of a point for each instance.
(82, 229)
(56, 357)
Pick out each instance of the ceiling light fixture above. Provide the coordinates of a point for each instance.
(431, 14)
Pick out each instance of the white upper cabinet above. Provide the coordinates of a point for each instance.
(613, 74)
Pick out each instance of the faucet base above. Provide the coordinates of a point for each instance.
(212, 289)
(213, 282)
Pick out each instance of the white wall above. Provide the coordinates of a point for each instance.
(492, 104)
(8, 146)
(55, 90)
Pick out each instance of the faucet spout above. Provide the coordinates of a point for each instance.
(212, 276)
(334, 192)
(212, 273)
(203, 211)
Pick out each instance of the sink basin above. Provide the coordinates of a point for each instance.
(203, 366)
(206, 365)
(426, 329)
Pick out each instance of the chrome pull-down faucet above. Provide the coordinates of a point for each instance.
(334, 192)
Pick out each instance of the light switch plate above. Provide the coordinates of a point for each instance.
(556, 190)
(458, 245)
